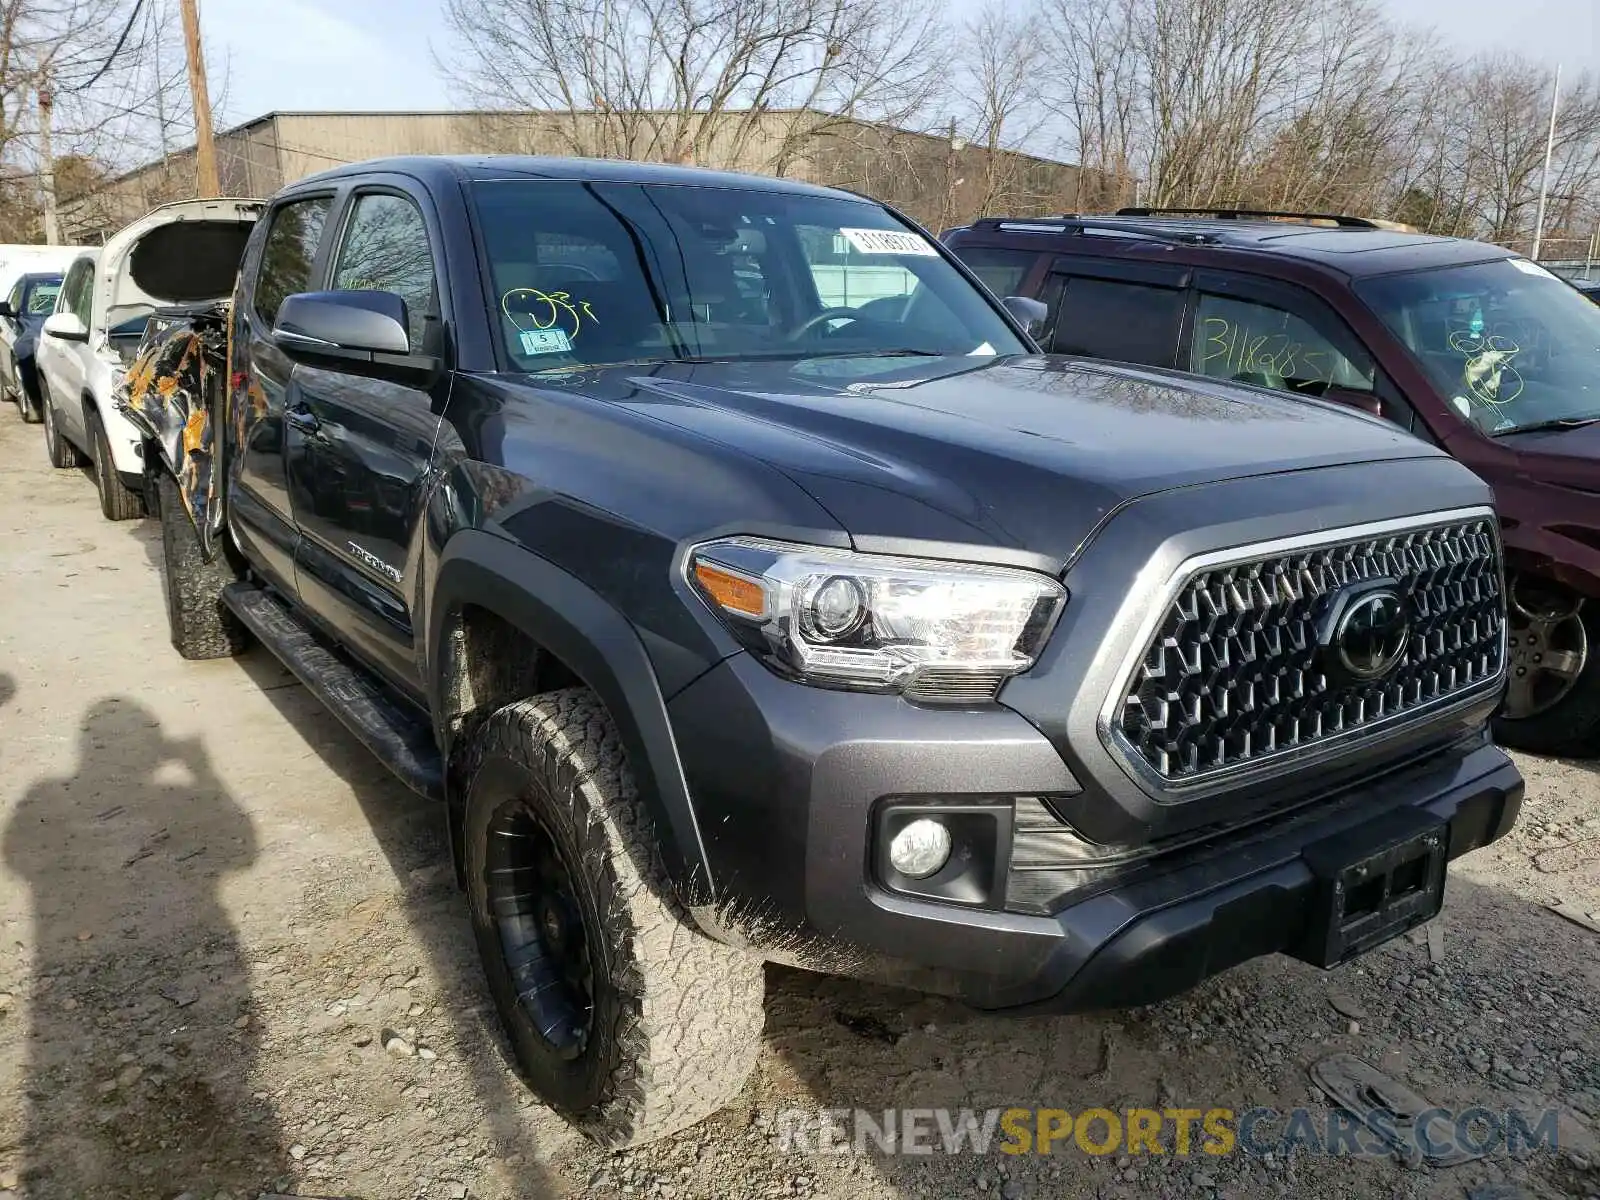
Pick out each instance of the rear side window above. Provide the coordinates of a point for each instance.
(1124, 322)
(386, 249)
(1002, 271)
(1251, 342)
(290, 253)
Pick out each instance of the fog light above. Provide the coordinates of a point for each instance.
(920, 849)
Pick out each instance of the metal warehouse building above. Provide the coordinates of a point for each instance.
(936, 179)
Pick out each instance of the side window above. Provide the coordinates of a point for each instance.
(1002, 271)
(290, 253)
(1254, 342)
(386, 249)
(15, 299)
(1124, 322)
(80, 289)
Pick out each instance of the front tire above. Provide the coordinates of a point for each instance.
(200, 624)
(1552, 702)
(622, 1017)
(62, 453)
(118, 501)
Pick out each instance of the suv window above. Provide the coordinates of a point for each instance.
(1002, 271)
(15, 299)
(1126, 322)
(1252, 342)
(385, 249)
(290, 253)
(79, 288)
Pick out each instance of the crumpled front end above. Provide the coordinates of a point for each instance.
(169, 394)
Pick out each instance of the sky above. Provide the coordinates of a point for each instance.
(366, 55)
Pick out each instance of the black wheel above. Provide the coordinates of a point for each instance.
(118, 501)
(200, 625)
(62, 453)
(623, 1018)
(1552, 701)
(27, 391)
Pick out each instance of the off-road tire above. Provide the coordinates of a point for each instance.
(1570, 729)
(200, 625)
(676, 1018)
(62, 453)
(118, 501)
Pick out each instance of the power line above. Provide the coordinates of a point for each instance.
(116, 50)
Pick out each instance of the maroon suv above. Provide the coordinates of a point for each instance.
(1465, 344)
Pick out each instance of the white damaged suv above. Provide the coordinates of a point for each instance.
(179, 254)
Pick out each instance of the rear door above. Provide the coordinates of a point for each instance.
(287, 260)
(359, 446)
(1130, 312)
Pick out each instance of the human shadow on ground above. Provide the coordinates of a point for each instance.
(142, 1035)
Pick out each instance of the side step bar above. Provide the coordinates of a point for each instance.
(399, 735)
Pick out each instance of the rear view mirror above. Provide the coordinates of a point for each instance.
(66, 326)
(1030, 314)
(326, 323)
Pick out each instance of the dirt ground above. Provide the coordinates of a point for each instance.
(216, 908)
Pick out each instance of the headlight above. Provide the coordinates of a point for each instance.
(933, 630)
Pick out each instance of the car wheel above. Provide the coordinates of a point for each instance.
(622, 1016)
(27, 394)
(62, 453)
(1552, 701)
(118, 501)
(200, 624)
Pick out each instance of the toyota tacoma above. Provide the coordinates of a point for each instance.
(746, 587)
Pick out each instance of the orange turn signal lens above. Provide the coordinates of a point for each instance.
(732, 592)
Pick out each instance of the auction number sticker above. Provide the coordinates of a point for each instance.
(545, 341)
(888, 241)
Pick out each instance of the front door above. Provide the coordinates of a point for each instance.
(359, 447)
(66, 359)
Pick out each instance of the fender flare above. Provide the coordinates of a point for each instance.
(565, 616)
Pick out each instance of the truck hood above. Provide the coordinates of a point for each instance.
(1027, 453)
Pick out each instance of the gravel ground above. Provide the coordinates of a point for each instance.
(232, 962)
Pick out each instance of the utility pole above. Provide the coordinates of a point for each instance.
(1544, 179)
(205, 148)
(47, 164)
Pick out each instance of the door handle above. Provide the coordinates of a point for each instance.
(302, 419)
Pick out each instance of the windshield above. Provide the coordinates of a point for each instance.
(1507, 342)
(41, 297)
(595, 273)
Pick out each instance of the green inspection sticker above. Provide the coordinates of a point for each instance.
(545, 341)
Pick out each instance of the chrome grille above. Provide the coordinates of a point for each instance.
(1232, 676)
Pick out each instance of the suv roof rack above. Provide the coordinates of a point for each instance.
(1233, 214)
(1074, 223)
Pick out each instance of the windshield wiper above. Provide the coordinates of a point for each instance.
(1553, 423)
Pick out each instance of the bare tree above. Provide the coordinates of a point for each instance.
(712, 82)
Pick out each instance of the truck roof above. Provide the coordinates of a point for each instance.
(431, 168)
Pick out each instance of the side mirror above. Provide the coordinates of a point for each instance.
(7, 311)
(66, 326)
(1030, 314)
(342, 324)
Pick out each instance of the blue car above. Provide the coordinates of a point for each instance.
(22, 313)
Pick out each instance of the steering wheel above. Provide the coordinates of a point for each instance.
(827, 314)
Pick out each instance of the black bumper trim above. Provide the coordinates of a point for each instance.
(1177, 941)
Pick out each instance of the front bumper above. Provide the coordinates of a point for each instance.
(789, 781)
